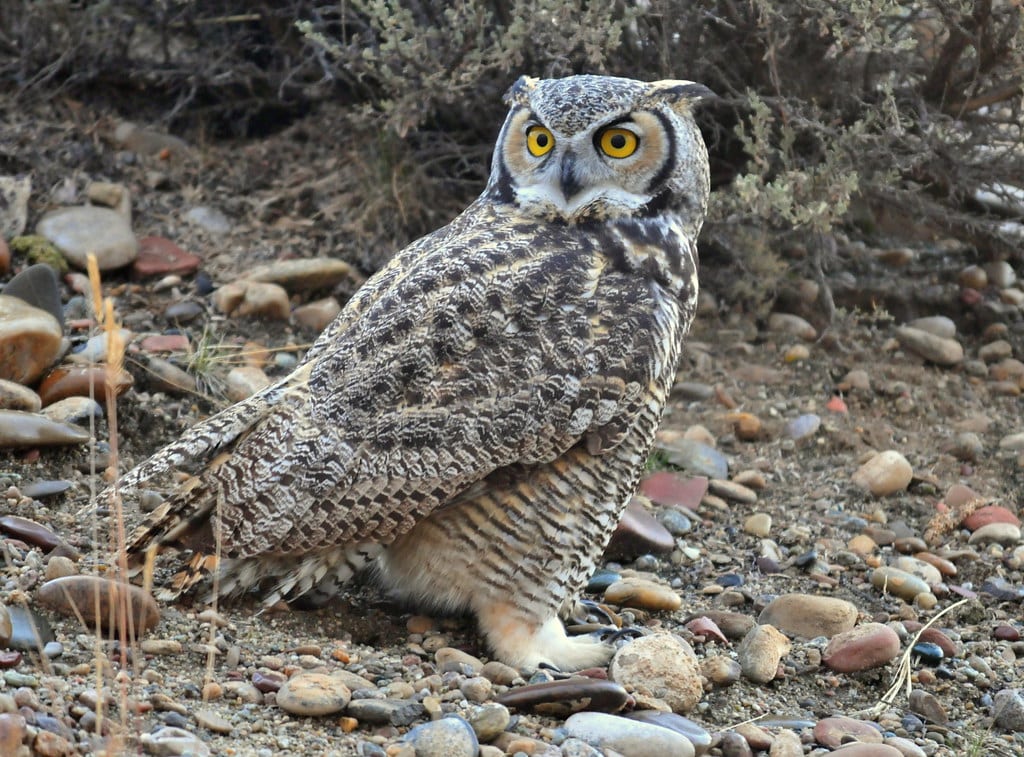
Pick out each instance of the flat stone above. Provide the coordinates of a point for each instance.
(937, 325)
(563, 697)
(14, 396)
(803, 426)
(82, 595)
(886, 473)
(694, 732)
(96, 349)
(76, 411)
(697, 458)
(934, 349)
(78, 231)
(1008, 709)
(928, 707)
(30, 532)
(671, 489)
(30, 340)
(396, 712)
(905, 747)
(83, 381)
(761, 651)
(174, 741)
(809, 615)
(638, 533)
(643, 594)
(660, 665)
(158, 257)
(630, 738)
(732, 491)
(1006, 534)
(446, 656)
(313, 694)
(867, 750)
(867, 646)
(37, 285)
(211, 721)
(834, 731)
(306, 274)
(787, 323)
(18, 429)
(450, 736)
(904, 585)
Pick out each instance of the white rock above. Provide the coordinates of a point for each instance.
(939, 325)
(630, 738)
(886, 473)
(209, 219)
(660, 665)
(788, 323)
(77, 231)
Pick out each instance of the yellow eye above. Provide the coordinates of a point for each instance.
(539, 141)
(618, 143)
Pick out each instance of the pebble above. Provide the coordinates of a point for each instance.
(79, 381)
(317, 315)
(174, 741)
(37, 285)
(209, 219)
(866, 646)
(1000, 274)
(630, 738)
(989, 514)
(803, 426)
(935, 349)
(721, 670)
(78, 231)
(696, 734)
(76, 411)
(396, 712)
(1006, 534)
(313, 694)
(565, 696)
(904, 585)
(499, 673)
(84, 595)
(671, 489)
(638, 533)
(158, 256)
(14, 396)
(489, 720)
(1008, 709)
(937, 325)
(794, 325)
(867, 750)
(30, 340)
(643, 594)
(761, 651)
(835, 731)
(211, 721)
(306, 274)
(732, 491)
(244, 381)
(928, 707)
(905, 747)
(923, 570)
(161, 646)
(786, 744)
(95, 349)
(164, 376)
(697, 458)
(809, 615)
(253, 298)
(19, 429)
(448, 737)
(886, 473)
(29, 531)
(183, 311)
(660, 665)
(450, 658)
(758, 524)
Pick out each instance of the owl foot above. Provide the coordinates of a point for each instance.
(530, 645)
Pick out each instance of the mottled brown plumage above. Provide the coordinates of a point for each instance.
(476, 418)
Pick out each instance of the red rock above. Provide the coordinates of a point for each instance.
(165, 343)
(12, 731)
(10, 659)
(989, 514)
(73, 381)
(78, 596)
(705, 626)
(666, 488)
(1006, 632)
(29, 531)
(867, 646)
(158, 256)
(832, 732)
(638, 533)
(5, 257)
(949, 647)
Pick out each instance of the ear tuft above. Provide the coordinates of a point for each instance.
(519, 92)
(679, 94)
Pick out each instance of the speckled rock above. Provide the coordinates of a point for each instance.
(448, 737)
(662, 666)
(761, 651)
(1008, 709)
(643, 594)
(78, 231)
(313, 694)
(629, 738)
(489, 720)
(30, 340)
(809, 615)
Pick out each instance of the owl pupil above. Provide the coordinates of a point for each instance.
(542, 140)
(618, 141)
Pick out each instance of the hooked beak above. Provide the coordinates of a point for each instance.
(568, 179)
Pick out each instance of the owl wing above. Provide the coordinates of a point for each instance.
(452, 372)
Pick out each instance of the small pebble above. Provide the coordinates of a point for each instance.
(761, 651)
(313, 694)
(809, 615)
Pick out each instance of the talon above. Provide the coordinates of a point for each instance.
(610, 635)
(587, 607)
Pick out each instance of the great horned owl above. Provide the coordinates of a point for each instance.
(475, 420)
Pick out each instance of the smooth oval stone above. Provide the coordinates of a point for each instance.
(630, 738)
(317, 315)
(867, 750)
(1006, 534)
(929, 652)
(560, 698)
(267, 681)
(803, 426)
(306, 274)
(18, 429)
(12, 731)
(886, 473)
(170, 740)
(158, 256)
(14, 396)
(809, 615)
(732, 491)
(29, 531)
(78, 231)
(489, 720)
(694, 732)
(834, 731)
(794, 325)
(660, 665)
(30, 631)
(899, 582)
(758, 524)
(734, 625)
(761, 651)
(82, 381)
(601, 580)
(928, 707)
(671, 489)
(30, 340)
(867, 646)
(448, 737)
(939, 325)
(396, 712)
(313, 694)
(989, 514)
(47, 488)
(183, 311)
(74, 410)
(643, 594)
(450, 655)
(1008, 708)
(77, 596)
(697, 458)
(638, 533)
(935, 349)
(37, 285)
(923, 570)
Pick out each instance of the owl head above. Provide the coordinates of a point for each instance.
(598, 147)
